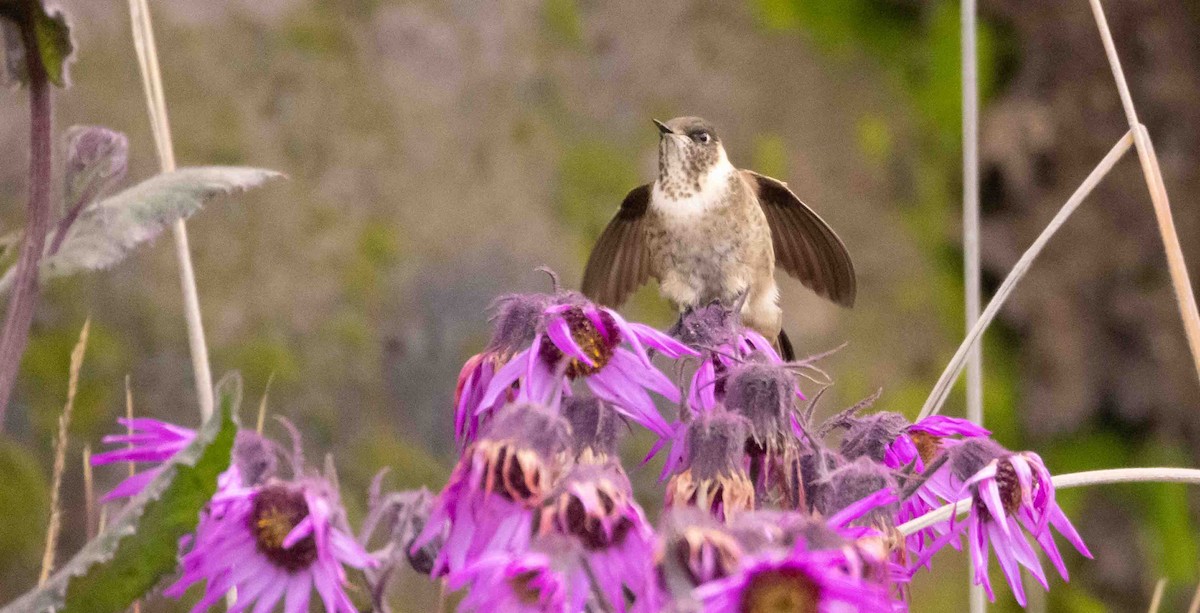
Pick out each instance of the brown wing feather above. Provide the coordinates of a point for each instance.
(619, 263)
(805, 246)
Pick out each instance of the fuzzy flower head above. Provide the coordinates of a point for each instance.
(713, 476)
(724, 344)
(499, 482)
(594, 506)
(1012, 494)
(273, 543)
(578, 340)
(800, 581)
(853, 482)
(595, 430)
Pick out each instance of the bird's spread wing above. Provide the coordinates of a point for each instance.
(619, 263)
(805, 246)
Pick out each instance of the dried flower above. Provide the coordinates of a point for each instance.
(714, 478)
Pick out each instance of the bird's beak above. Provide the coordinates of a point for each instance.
(662, 127)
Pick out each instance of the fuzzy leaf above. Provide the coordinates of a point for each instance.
(96, 158)
(139, 547)
(52, 35)
(108, 231)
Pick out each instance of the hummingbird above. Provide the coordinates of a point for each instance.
(708, 231)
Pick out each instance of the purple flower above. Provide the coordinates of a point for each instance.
(148, 440)
(516, 320)
(594, 506)
(802, 580)
(696, 549)
(922, 442)
(529, 582)
(275, 542)
(580, 340)
(1011, 494)
(499, 482)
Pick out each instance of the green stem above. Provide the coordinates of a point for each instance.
(15, 335)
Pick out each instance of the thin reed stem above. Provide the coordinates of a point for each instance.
(1091, 477)
(941, 390)
(971, 275)
(1184, 297)
(60, 456)
(1195, 606)
(89, 493)
(147, 52)
(1156, 600)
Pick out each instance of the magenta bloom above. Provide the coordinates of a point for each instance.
(921, 444)
(500, 481)
(723, 343)
(274, 543)
(1012, 494)
(594, 507)
(149, 440)
(521, 583)
(808, 581)
(581, 340)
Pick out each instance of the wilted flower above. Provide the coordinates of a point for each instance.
(695, 550)
(594, 506)
(595, 430)
(580, 340)
(766, 396)
(1009, 491)
(801, 580)
(716, 331)
(713, 477)
(500, 481)
(273, 543)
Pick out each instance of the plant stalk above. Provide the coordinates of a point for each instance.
(1184, 296)
(15, 335)
(147, 52)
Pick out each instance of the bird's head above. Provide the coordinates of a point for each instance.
(689, 152)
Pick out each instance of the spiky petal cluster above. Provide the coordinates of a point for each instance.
(1012, 495)
(274, 543)
(499, 483)
(576, 339)
(147, 441)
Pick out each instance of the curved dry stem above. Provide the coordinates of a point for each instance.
(941, 390)
(1091, 477)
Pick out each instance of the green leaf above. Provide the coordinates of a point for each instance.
(139, 547)
(51, 34)
(108, 231)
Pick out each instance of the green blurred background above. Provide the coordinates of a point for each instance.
(439, 151)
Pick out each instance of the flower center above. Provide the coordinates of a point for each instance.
(927, 445)
(524, 588)
(596, 343)
(1009, 486)
(783, 590)
(589, 528)
(277, 510)
(514, 473)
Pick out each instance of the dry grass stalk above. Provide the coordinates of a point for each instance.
(60, 455)
(89, 492)
(941, 390)
(147, 53)
(1195, 606)
(1184, 297)
(1156, 600)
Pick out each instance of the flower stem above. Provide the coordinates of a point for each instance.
(15, 335)
(1091, 477)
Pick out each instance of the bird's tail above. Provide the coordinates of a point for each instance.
(785, 346)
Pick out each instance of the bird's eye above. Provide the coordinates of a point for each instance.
(701, 137)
